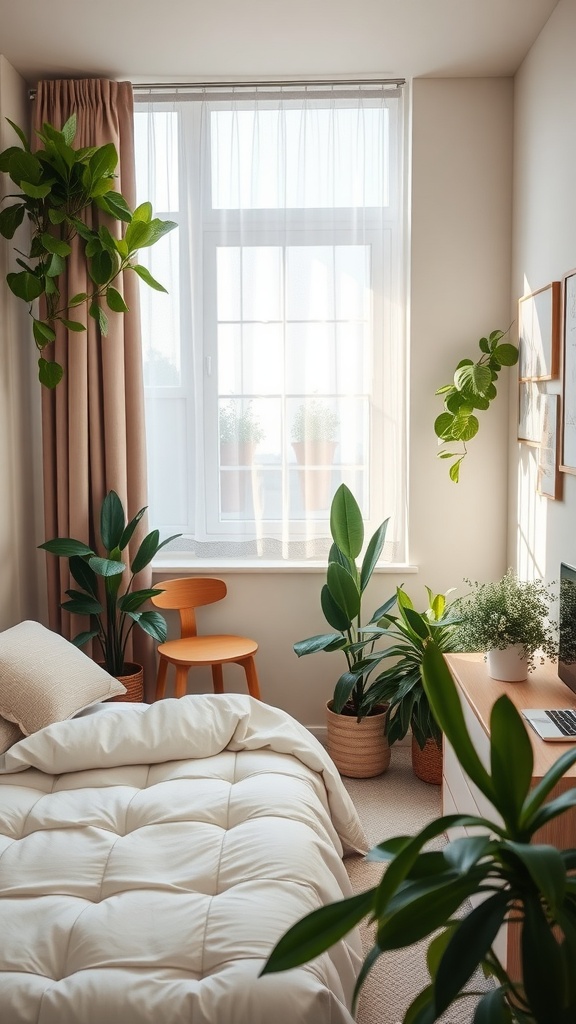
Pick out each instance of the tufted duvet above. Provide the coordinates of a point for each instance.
(150, 858)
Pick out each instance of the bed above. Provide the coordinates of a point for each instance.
(152, 855)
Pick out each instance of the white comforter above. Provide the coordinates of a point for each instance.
(150, 857)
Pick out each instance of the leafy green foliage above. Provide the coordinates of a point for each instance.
(113, 614)
(341, 601)
(400, 685)
(422, 891)
(472, 391)
(58, 186)
(508, 611)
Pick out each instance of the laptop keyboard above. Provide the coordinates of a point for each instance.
(565, 720)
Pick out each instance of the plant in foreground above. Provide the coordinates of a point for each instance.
(341, 600)
(421, 891)
(472, 390)
(113, 615)
(58, 185)
(508, 611)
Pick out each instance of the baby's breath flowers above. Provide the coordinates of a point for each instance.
(511, 611)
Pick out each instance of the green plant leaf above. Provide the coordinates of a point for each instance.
(66, 547)
(115, 301)
(455, 470)
(447, 710)
(333, 613)
(465, 428)
(102, 267)
(114, 203)
(106, 567)
(35, 191)
(78, 299)
(128, 532)
(131, 602)
(25, 285)
(541, 965)
(112, 521)
(423, 914)
(20, 134)
(104, 161)
(467, 947)
(42, 332)
(146, 551)
(492, 1008)
(81, 604)
(553, 808)
(475, 378)
(320, 642)
(543, 788)
(373, 552)
(344, 589)
(138, 233)
(143, 212)
(511, 761)
(152, 623)
(346, 524)
(546, 867)
(55, 245)
(318, 931)
(83, 574)
(443, 425)
(73, 325)
(506, 355)
(146, 276)
(11, 219)
(82, 638)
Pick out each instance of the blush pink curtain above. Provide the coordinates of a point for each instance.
(93, 421)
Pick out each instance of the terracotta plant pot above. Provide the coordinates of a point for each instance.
(427, 761)
(134, 683)
(360, 750)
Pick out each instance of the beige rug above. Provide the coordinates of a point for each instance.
(394, 804)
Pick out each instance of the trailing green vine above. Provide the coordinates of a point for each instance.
(472, 391)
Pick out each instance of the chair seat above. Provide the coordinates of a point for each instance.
(207, 650)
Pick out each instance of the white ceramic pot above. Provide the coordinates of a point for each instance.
(510, 665)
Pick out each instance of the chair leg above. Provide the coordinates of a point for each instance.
(181, 680)
(217, 679)
(161, 678)
(249, 667)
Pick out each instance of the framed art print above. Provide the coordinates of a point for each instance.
(549, 479)
(530, 398)
(539, 333)
(568, 445)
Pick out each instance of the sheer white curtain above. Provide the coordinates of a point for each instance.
(275, 365)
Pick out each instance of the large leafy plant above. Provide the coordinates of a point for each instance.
(341, 601)
(520, 880)
(113, 611)
(472, 390)
(401, 683)
(59, 187)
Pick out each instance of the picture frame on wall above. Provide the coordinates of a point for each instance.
(549, 479)
(530, 410)
(568, 441)
(539, 333)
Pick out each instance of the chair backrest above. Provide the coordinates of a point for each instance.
(186, 594)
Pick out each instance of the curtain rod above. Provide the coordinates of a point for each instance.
(173, 86)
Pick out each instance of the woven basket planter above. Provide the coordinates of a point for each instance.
(360, 750)
(427, 762)
(134, 683)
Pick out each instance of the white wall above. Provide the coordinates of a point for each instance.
(542, 532)
(21, 589)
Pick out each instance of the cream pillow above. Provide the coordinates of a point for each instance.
(45, 679)
(9, 734)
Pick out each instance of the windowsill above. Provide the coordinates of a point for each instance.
(180, 563)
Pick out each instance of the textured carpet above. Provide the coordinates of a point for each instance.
(394, 804)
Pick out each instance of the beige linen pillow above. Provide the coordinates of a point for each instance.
(9, 734)
(45, 679)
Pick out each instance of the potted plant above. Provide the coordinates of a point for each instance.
(509, 621)
(240, 432)
(472, 390)
(314, 440)
(422, 890)
(356, 713)
(59, 188)
(113, 613)
(401, 683)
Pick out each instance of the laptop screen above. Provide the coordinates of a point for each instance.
(567, 626)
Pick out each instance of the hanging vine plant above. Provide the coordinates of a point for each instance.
(58, 186)
(472, 391)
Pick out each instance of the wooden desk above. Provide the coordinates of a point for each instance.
(478, 692)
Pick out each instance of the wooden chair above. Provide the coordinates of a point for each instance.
(185, 595)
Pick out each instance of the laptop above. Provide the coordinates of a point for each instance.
(557, 725)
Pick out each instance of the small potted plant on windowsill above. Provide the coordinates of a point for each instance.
(240, 432)
(314, 440)
(113, 614)
(509, 621)
(356, 715)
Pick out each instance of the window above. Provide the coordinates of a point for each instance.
(275, 365)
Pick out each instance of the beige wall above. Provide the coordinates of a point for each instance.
(20, 494)
(542, 532)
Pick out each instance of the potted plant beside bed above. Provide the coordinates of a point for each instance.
(509, 621)
(113, 611)
(401, 683)
(356, 714)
